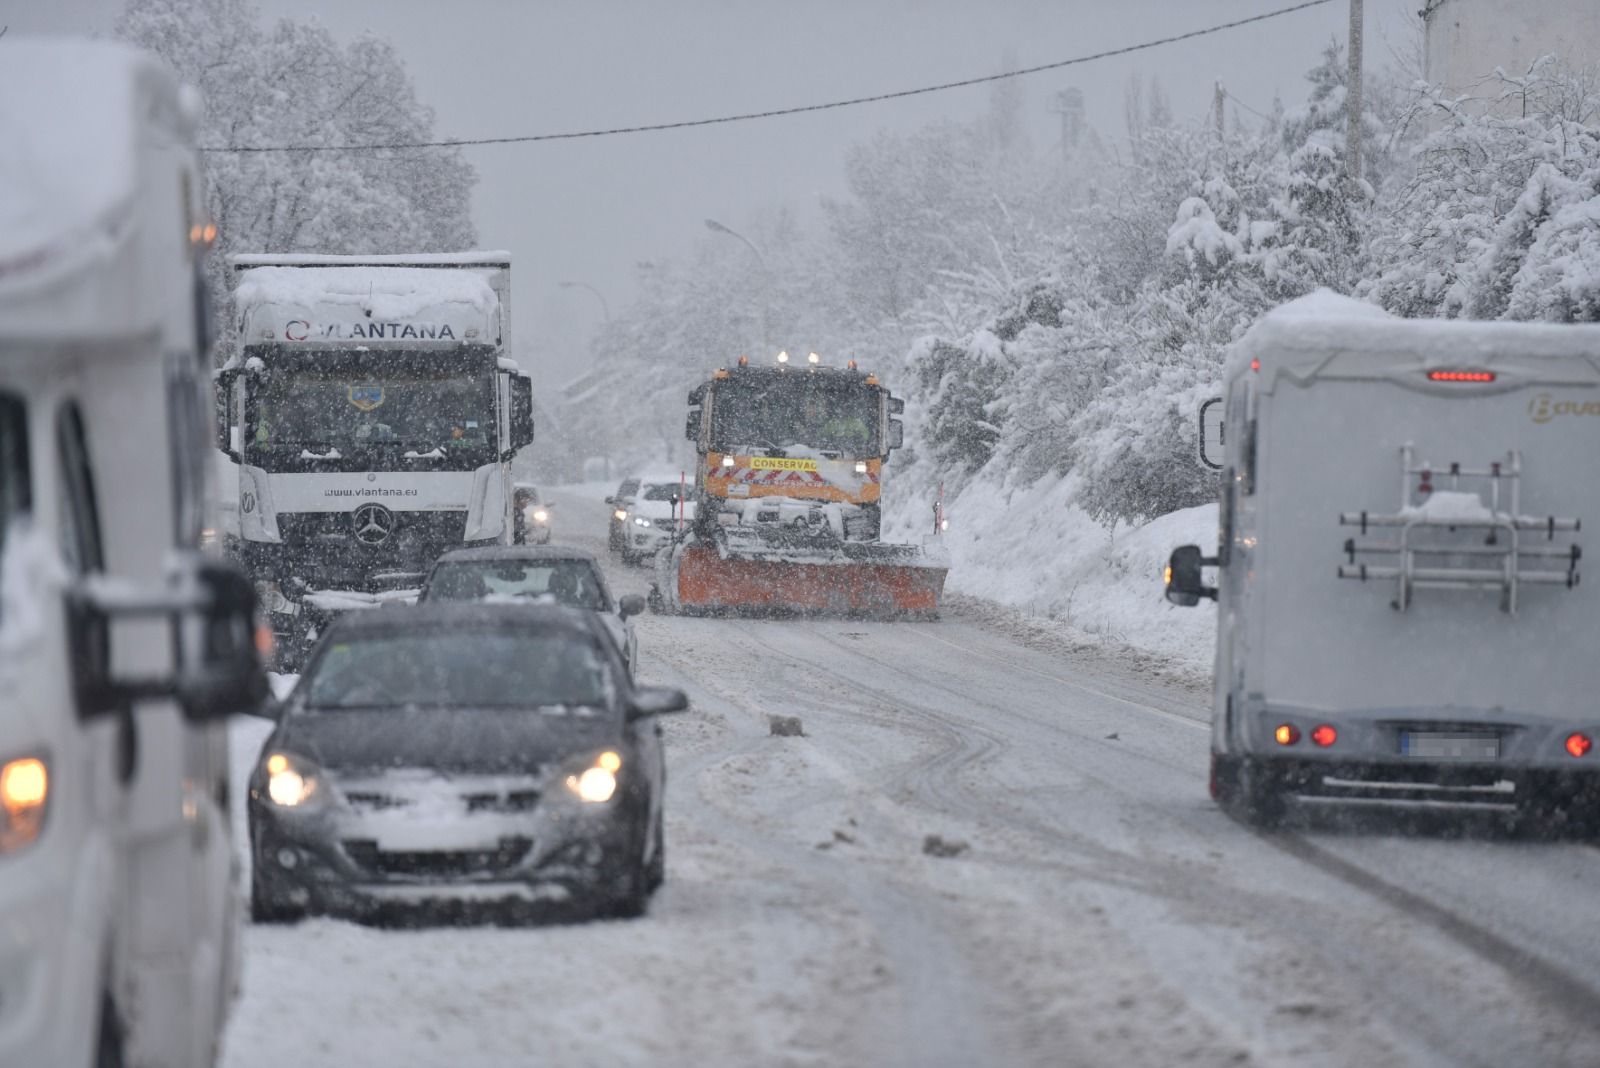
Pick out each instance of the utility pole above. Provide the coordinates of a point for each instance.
(1221, 94)
(1352, 98)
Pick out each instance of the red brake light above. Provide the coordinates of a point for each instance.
(1255, 363)
(1286, 734)
(1324, 735)
(1461, 376)
(1578, 744)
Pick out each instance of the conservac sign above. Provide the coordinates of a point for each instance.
(369, 330)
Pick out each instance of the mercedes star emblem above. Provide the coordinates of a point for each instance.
(374, 523)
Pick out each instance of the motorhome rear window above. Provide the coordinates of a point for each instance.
(16, 480)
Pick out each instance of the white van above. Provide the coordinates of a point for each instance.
(1400, 616)
(121, 645)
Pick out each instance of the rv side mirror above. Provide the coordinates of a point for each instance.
(1184, 585)
(521, 411)
(224, 402)
(631, 604)
(210, 612)
(897, 433)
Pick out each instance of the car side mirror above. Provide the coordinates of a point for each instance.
(657, 701)
(209, 611)
(631, 604)
(272, 708)
(1185, 586)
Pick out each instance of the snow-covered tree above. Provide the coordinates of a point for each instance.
(293, 84)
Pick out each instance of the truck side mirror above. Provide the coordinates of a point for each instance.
(896, 406)
(691, 426)
(521, 411)
(897, 433)
(1184, 584)
(211, 609)
(224, 402)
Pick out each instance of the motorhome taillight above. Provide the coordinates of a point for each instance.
(1461, 376)
(1324, 735)
(1578, 744)
(1286, 734)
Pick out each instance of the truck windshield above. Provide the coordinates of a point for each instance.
(796, 411)
(320, 411)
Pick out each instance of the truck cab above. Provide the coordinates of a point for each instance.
(123, 647)
(373, 413)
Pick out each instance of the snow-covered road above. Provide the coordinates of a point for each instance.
(1102, 911)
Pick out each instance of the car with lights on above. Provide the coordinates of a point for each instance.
(620, 502)
(1400, 621)
(658, 512)
(557, 573)
(461, 761)
(530, 514)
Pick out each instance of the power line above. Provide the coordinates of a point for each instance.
(775, 112)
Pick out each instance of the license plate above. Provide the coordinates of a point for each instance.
(1449, 745)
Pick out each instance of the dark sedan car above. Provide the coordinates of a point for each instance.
(558, 572)
(465, 759)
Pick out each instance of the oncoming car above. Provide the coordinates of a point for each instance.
(620, 502)
(461, 761)
(654, 516)
(564, 575)
(530, 514)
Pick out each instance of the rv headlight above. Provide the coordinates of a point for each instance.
(24, 797)
(596, 783)
(291, 781)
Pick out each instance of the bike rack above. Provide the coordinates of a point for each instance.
(1435, 550)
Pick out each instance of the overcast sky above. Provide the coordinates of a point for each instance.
(589, 210)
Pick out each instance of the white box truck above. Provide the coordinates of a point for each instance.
(374, 412)
(1401, 619)
(122, 646)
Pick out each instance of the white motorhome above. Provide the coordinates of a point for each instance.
(1400, 616)
(122, 647)
(374, 413)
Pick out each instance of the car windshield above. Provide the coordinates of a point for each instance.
(16, 485)
(471, 668)
(796, 411)
(322, 411)
(662, 491)
(569, 582)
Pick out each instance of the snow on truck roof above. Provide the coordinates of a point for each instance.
(74, 115)
(1300, 336)
(387, 292)
(473, 258)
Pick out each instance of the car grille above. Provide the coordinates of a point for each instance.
(514, 801)
(437, 863)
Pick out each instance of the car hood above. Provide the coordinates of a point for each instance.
(660, 509)
(446, 740)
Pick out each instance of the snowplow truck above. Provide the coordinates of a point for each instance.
(787, 490)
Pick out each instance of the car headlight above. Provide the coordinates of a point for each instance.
(291, 781)
(541, 516)
(620, 514)
(272, 599)
(640, 521)
(24, 797)
(596, 783)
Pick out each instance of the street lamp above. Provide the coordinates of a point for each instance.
(605, 309)
(766, 277)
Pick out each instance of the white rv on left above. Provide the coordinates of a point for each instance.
(122, 646)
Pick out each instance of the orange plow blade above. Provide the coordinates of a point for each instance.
(708, 581)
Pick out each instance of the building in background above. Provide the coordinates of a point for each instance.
(1465, 40)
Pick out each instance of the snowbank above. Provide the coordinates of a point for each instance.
(397, 293)
(1034, 549)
